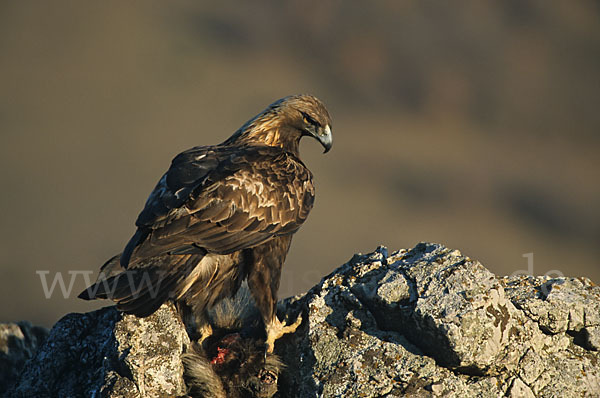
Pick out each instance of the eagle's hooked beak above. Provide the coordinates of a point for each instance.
(325, 138)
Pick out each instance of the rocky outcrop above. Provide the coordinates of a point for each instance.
(432, 322)
(421, 322)
(18, 343)
(108, 354)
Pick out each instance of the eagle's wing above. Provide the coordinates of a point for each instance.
(222, 199)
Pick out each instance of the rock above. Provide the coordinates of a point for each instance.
(432, 322)
(109, 354)
(421, 322)
(18, 343)
(561, 305)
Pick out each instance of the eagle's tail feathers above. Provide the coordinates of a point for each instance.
(142, 290)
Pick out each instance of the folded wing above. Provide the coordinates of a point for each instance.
(221, 200)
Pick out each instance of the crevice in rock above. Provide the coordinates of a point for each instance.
(509, 392)
(406, 326)
(467, 370)
(582, 339)
(121, 367)
(413, 292)
(404, 323)
(527, 315)
(544, 329)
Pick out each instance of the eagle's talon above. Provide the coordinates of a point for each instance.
(277, 329)
(205, 332)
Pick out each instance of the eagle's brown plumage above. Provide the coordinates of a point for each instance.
(222, 214)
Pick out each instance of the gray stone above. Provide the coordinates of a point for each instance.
(109, 354)
(18, 343)
(432, 322)
(560, 305)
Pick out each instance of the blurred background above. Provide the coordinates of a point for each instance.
(472, 124)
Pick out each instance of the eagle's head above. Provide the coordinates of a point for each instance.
(286, 121)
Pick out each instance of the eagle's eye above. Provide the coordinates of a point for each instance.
(309, 120)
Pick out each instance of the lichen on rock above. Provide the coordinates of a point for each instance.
(109, 354)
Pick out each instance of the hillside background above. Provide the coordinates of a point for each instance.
(473, 124)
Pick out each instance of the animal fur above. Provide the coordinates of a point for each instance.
(232, 362)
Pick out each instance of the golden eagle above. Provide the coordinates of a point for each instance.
(222, 214)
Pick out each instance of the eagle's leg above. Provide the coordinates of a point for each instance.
(263, 280)
(203, 327)
(196, 321)
(276, 329)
